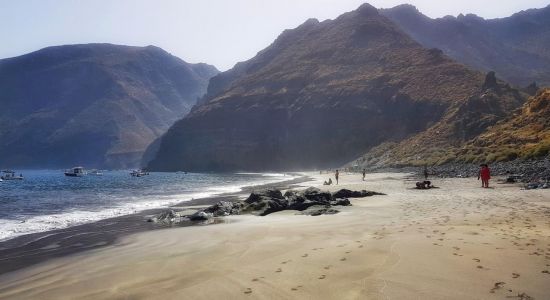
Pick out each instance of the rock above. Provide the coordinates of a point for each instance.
(265, 202)
(266, 194)
(345, 193)
(200, 216)
(225, 208)
(168, 216)
(490, 81)
(318, 210)
(316, 195)
(340, 202)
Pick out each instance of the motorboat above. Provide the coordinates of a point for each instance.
(75, 172)
(10, 175)
(139, 173)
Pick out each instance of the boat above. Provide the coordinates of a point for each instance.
(138, 173)
(10, 175)
(75, 172)
(95, 172)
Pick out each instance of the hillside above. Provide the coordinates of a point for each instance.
(323, 94)
(525, 135)
(98, 105)
(517, 47)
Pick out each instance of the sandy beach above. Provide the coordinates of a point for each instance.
(455, 242)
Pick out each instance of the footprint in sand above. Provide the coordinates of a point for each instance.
(255, 279)
(498, 285)
(348, 252)
(476, 259)
(285, 262)
(248, 291)
(327, 267)
(360, 246)
(515, 275)
(342, 259)
(305, 255)
(322, 276)
(279, 270)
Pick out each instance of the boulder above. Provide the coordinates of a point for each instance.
(225, 208)
(340, 202)
(167, 216)
(316, 195)
(201, 216)
(265, 202)
(345, 193)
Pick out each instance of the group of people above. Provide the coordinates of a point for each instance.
(484, 174)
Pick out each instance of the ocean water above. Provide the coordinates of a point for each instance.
(48, 200)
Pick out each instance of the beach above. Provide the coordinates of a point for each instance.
(457, 241)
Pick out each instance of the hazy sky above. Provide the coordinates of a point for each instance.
(218, 32)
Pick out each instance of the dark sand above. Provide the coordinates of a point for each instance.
(27, 250)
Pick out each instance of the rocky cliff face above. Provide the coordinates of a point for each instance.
(97, 105)
(321, 95)
(517, 47)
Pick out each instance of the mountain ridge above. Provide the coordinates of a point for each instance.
(95, 104)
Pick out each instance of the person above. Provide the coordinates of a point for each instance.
(425, 172)
(364, 173)
(484, 175)
(336, 175)
(329, 182)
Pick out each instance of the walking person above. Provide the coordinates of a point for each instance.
(364, 173)
(336, 175)
(484, 175)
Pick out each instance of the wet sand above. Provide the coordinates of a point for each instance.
(455, 242)
(27, 250)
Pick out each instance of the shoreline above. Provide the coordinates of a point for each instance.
(35, 248)
(455, 242)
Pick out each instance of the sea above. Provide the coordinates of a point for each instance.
(46, 199)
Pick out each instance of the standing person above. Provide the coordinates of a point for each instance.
(336, 175)
(485, 175)
(364, 173)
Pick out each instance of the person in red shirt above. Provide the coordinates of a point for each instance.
(484, 175)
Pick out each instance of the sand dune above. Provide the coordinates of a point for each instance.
(455, 242)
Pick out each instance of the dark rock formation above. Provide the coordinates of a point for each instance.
(201, 216)
(262, 203)
(265, 202)
(345, 193)
(515, 47)
(97, 105)
(168, 216)
(225, 208)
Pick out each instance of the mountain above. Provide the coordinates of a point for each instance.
(463, 122)
(325, 93)
(99, 105)
(517, 47)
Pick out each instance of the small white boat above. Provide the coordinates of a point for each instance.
(138, 173)
(10, 175)
(75, 172)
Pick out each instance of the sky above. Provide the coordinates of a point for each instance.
(218, 32)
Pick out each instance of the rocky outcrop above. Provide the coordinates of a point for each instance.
(262, 203)
(97, 105)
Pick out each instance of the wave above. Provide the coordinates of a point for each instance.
(41, 223)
